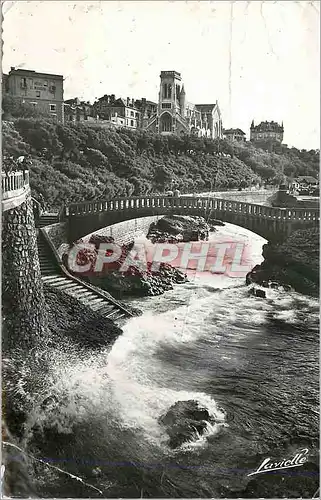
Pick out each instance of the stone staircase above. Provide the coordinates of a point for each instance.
(54, 275)
(46, 219)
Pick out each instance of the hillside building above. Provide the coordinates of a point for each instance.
(120, 112)
(266, 131)
(77, 111)
(175, 115)
(44, 91)
(234, 134)
(147, 110)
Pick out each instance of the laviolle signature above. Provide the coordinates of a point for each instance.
(268, 465)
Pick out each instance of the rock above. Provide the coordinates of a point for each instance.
(97, 239)
(260, 293)
(291, 264)
(215, 222)
(177, 228)
(69, 320)
(133, 282)
(256, 292)
(139, 284)
(184, 420)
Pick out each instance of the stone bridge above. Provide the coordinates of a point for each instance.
(271, 223)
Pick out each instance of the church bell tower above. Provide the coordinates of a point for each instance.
(169, 101)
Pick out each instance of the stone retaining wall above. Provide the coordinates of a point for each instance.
(22, 293)
(124, 232)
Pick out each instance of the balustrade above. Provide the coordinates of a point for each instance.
(12, 182)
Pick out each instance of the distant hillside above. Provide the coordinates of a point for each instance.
(72, 163)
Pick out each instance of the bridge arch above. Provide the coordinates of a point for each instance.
(271, 223)
(126, 231)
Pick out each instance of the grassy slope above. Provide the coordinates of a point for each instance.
(74, 162)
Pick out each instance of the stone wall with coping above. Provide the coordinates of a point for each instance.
(58, 235)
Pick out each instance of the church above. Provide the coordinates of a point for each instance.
(176, 115)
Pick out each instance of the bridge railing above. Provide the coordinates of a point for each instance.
(137, 203)
(14, 183)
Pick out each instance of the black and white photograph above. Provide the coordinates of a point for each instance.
(160, 249)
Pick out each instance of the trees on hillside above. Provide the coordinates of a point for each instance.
(73, 162)
(14, 108)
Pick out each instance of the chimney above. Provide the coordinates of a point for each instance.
(128, 101)
(12, 68)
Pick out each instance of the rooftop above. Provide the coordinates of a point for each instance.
(233, 131)
(209, 106)
(174, 73)
(267, 126)
(31, 72)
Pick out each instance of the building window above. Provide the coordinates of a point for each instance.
(132, 113)
(131, 123)
(52, 107)
(24, 83)
(166, 123)
(38, 93)
(167, 105)
(167, 91)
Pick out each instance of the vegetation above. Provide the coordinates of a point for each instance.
(13, 108)
(75, 162)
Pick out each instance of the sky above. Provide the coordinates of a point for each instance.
(258, 59)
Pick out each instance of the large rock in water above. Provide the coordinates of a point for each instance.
(139, 284)
(184, 420)
(293, 262)
(177, 228)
